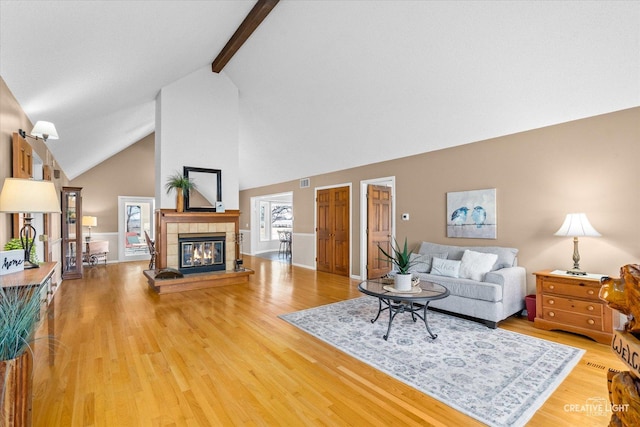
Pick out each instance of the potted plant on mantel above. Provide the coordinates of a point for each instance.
(401, 259)
(182, 185)
(19, 316)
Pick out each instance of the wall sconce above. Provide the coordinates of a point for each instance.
(42, 129)
(89, 221)
(576, 225)
(28, 196)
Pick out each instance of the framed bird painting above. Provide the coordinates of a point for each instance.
(472, 214)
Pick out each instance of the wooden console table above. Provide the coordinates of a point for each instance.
(36, 277)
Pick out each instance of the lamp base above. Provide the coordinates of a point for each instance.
(577, 272)
(29, 264)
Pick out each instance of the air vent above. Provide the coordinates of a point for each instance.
(305, 182)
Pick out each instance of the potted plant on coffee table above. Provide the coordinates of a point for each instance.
(400, 257)
(182, 185)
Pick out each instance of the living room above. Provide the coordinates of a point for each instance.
(540, 173)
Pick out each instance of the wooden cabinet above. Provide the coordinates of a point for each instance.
(333, 231)
(71, 232)
(571, 303)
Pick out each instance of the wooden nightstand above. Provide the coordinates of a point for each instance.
(570, 303)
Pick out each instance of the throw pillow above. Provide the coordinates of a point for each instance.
(476, 264)
(445, 267)
(421, 263)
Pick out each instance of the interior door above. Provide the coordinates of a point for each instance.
(323, 232)
(333, 231)
(378, 229)
(22, 162)
(341, 230)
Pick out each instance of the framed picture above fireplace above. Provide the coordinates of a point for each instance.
(207, 191)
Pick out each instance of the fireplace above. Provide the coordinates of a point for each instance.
(201, 252)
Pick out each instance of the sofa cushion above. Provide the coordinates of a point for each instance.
(421, 263)
(475, 265)
(467, 288)
(445, 267)
(506, 256)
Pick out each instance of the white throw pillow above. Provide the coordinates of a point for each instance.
(445, 267)
(476, 264)
(421, 263)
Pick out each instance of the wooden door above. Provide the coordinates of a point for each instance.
(333, 231)
(323, 232)
(340, 213)
(378, 229)
(22, 157)
(22, 162)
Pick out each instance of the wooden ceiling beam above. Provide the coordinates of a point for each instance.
(257, 14)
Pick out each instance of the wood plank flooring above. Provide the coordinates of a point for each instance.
(125, 356)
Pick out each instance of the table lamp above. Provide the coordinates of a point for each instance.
(89, 221)
(576, 225)
(28, 196)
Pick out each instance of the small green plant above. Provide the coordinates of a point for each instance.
(17, 244)
(19, 308)
(400, 257)
(179, 181)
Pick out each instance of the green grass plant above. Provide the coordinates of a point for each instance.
(19, 315)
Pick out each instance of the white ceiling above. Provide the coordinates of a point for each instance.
(324, 85)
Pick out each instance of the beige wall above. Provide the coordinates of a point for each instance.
(131, 172)
(540, 175)
(13, 118)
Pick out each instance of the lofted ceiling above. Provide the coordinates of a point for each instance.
(324, 85)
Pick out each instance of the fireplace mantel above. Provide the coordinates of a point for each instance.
(170, 223)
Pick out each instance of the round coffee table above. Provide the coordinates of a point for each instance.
(415, 301)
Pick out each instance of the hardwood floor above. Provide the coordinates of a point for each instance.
(125, 356)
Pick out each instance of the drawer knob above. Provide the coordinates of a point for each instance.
(591, 321)
(551, 302)
(551, 287)
(590, 308)
(590, 291)
(551, 314)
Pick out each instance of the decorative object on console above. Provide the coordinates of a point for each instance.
(401, 259)
(472, 214)
(624, 294)
(89, 221)
(15, 243)
(576, 225)
(42, 129)
(28, 196)
(182, 184)
(206, 196)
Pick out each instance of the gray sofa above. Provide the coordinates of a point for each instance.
(499, 292)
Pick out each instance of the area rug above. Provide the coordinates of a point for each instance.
(495, 376)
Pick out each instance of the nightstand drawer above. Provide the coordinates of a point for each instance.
(578, 289)
(589, 308)
(574, 319)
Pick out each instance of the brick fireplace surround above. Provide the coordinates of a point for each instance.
(169, 224)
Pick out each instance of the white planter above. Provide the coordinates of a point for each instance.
(403, 282)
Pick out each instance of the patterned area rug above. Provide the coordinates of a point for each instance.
(495, 376)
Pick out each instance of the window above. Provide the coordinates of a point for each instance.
(274, 217)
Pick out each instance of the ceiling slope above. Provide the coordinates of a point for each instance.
(324, 85)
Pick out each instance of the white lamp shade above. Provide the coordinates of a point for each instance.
(576, 225)
(28, 196)
(43, 128)
(89, 221)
